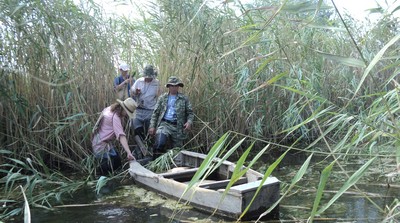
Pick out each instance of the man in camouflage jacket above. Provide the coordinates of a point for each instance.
(172, 118)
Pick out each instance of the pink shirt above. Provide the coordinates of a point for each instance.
(110, 129)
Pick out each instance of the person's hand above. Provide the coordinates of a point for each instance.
(187, 126)
(131, 157)
(152, 131)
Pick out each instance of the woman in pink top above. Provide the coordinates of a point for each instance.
(108, 128)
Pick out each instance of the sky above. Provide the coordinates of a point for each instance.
(356, 8)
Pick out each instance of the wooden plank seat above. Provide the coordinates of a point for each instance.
(221, 183)
(253, 186)
(182, 174)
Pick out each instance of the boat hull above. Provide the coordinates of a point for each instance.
(230, 204)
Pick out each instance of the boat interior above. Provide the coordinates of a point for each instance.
(218, 179)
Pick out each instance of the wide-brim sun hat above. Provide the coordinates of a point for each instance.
(174, 81)
(124, 67)
(148, 71)
(129, 106)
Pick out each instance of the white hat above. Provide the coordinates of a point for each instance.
(124, 67)
(129, 105)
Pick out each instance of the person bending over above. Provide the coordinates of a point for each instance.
(107, 129)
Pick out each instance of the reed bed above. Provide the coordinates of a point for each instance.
(283, 73)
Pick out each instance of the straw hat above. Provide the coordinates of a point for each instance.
(129, 105)
(174, 81)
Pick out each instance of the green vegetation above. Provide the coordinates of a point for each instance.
(290, 74)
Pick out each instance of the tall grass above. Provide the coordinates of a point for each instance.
(50, 68)
(279, 72)
(57, 68)
(285, 76)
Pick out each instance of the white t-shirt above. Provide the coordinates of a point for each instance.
(149, 92)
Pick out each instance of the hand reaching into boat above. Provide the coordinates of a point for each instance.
(124, 143)
(109, 128)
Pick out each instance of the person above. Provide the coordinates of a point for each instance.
(123, 83)
(145, 90)
(171, 119)
(109, 128)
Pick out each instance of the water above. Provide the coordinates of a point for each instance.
(369, 201)
(137, 207)
(130, 203)
(351, 207)
(127, 203)
(99, 213)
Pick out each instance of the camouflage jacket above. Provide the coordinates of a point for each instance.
(183, 107)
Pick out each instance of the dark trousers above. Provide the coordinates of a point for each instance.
(159, 145)
(109, 162)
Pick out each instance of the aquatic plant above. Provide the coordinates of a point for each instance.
(292, 75)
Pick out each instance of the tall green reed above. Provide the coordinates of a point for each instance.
(280, 72)
(56, 74)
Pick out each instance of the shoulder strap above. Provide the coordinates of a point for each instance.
(96, 126)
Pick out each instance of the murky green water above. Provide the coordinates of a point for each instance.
(100, 213)
(128, 206)
(369, 202)
(128, 203)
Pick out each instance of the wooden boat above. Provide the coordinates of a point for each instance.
(208, 194)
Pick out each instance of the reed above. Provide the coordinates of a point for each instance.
(278, 72)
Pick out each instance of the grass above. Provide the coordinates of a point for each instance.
(272, 72)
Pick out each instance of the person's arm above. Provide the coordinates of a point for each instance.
(132, 80)
(116, 80)
(154, 117)
(159, 91)
(153, 120)
(120, 135)
(189, 114)
(122, 84)
(124, 143)
(134, 88)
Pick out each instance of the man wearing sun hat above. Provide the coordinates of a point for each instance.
(172, 117)
(123, 83)
(107, 129)
(145, 90)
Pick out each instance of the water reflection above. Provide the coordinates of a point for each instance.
(366, 203)
(99, 214)
(360, 209)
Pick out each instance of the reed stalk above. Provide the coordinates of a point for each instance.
(282, 73)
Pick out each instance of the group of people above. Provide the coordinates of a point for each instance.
(166, 117)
